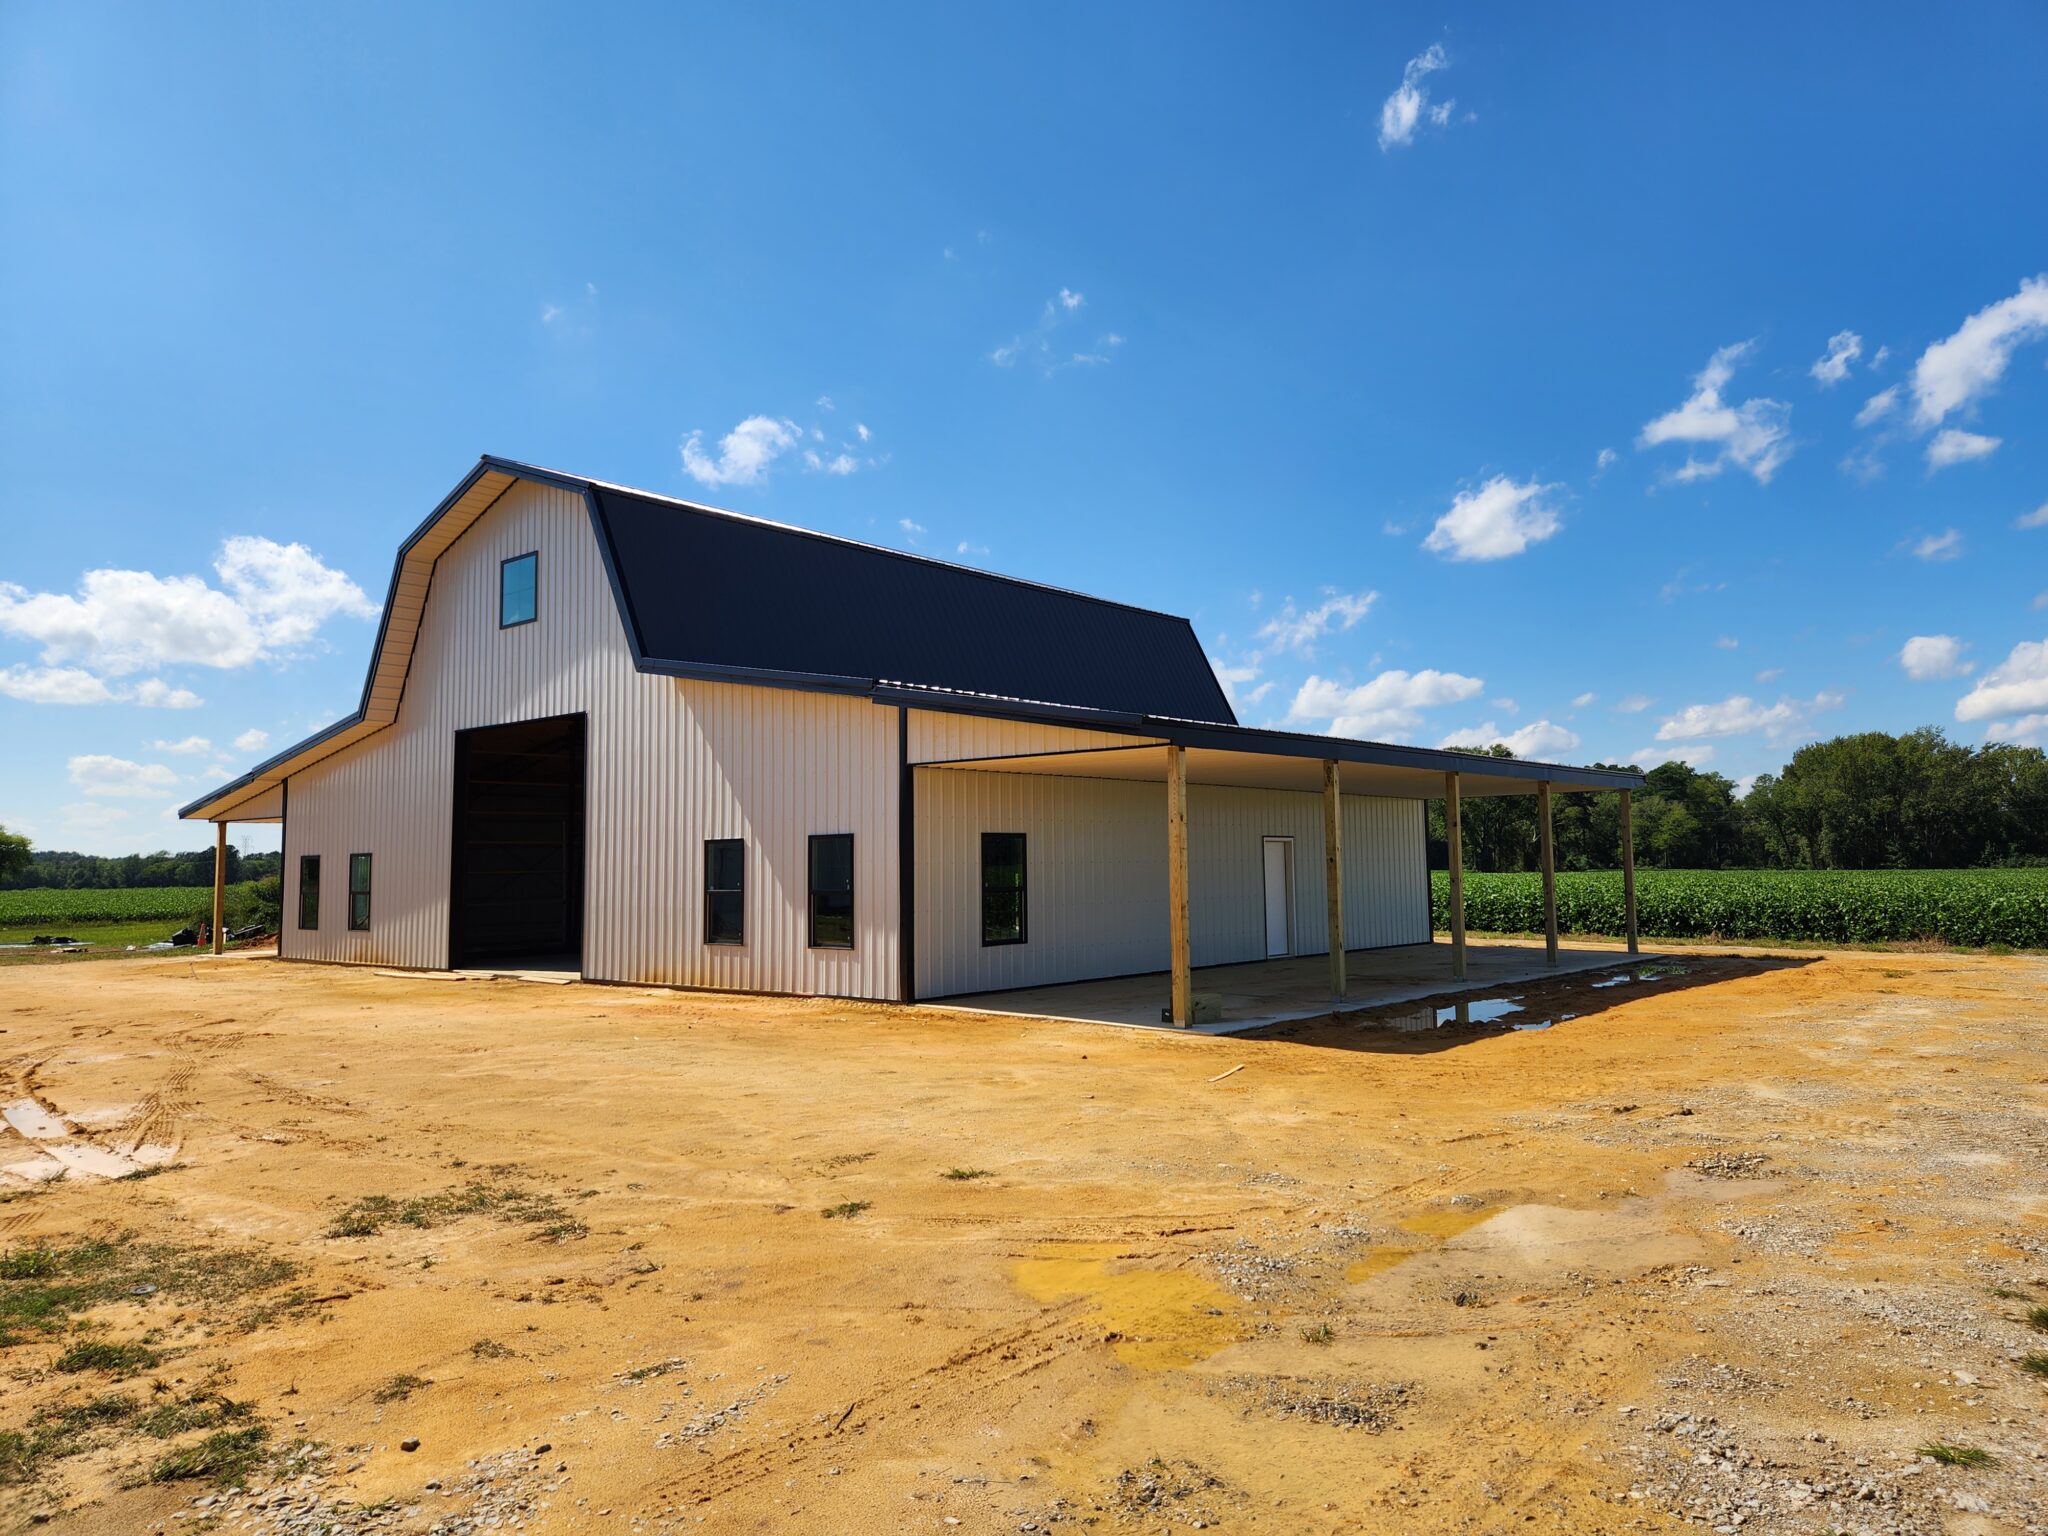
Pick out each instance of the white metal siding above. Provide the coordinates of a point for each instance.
(1096, 876)
(669, 763)
(936, 737)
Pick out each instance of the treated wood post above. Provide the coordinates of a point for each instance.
(1454, 831)
(220, 884)
(1333, 875)
(1549, 852)
(1177, 884)
(1628, 870)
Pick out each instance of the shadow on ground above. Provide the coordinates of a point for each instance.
(1457, 1018)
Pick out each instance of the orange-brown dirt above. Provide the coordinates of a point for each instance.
(1728, 1245)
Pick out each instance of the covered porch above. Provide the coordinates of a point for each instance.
(1263, 992)
(1300, 984)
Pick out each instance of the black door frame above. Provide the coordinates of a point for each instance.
(459, 804)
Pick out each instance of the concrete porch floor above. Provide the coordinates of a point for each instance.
(1263, 992)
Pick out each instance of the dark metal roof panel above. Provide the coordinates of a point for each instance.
(712, 589)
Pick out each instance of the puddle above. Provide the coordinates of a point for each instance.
(1641, 973)
(1465, 1013)
(60, 1153)
(1157, 1319)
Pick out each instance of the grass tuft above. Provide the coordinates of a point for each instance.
(2034, 1365)
(845, 1209)
(490, 1349)
(42, 1287)
(2037, 1317)
(966, 1173)
(226, 1456)
(396, 1389)
(1318, 1333)
(1957, 1455)
(99, 1355)
(508, 1203)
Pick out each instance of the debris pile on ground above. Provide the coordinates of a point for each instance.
(1320, 1400)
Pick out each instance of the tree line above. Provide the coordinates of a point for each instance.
(1864, 801)
(23, 868)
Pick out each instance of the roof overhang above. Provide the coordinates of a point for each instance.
(1379, 770)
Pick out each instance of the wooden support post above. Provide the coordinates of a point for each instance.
(1177, 885)
(1628, 870)
(1333, 876)
(220, 885)
(1454, 831)
(1549, 855)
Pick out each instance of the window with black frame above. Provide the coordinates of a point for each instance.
(518, 590)
(1002, 888)
(359, 892)
(309, 890)
(832, 891)
(725, 894)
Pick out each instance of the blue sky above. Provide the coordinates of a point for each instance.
(1623, 384)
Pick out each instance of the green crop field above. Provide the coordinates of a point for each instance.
(1971, 907)
(48, 910)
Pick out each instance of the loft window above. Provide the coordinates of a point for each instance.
(832, 891)
(518, 590)
(1002, 887)
(359, 892)
(309, 890)
(725, 891)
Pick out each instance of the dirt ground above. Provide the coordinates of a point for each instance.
(1730, 1245)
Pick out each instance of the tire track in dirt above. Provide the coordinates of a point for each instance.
(941, 1392)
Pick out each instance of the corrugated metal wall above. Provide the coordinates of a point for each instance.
(670, 763)
(936, 737)
(1096, 876)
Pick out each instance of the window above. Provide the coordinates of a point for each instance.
(359, 892)
(725, 891)
(518, 590)
(309, 890)
(1002, 887)
(832, 891)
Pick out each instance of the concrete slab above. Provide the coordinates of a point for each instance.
(1267, 992)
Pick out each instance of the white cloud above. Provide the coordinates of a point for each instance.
(1584, 699)
(861, 429)
(1955, 372)
(1740, 715)
(1234, 681)
(54, 685)
(1036, 345)
(1753, 435)
(1770, 674)
(1293, 630)
(2018, 685)
(252, 740)
(1634, 704)
(1506, 706)
(1409, 107)
(966, 548)
(1536, 739)
(745, 454)
(2027, 731)
(191, 746)
(1391, 701)
(119, 622)
(155, 693)
(838, 464)
(1698, 755)
(1844, 347)
(911, 530)
(92, 816)
(1931, 656)
(1952, 445)
(98, 774)
(2038, 518)
(1878, 406)
(1604, 461)
(1500, 519)
(1727, 643)
(1939, 547)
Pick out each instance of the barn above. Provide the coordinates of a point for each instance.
(640, 740)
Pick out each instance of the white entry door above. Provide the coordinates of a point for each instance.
(1279, 896)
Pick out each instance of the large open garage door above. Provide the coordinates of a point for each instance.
(516, 895)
